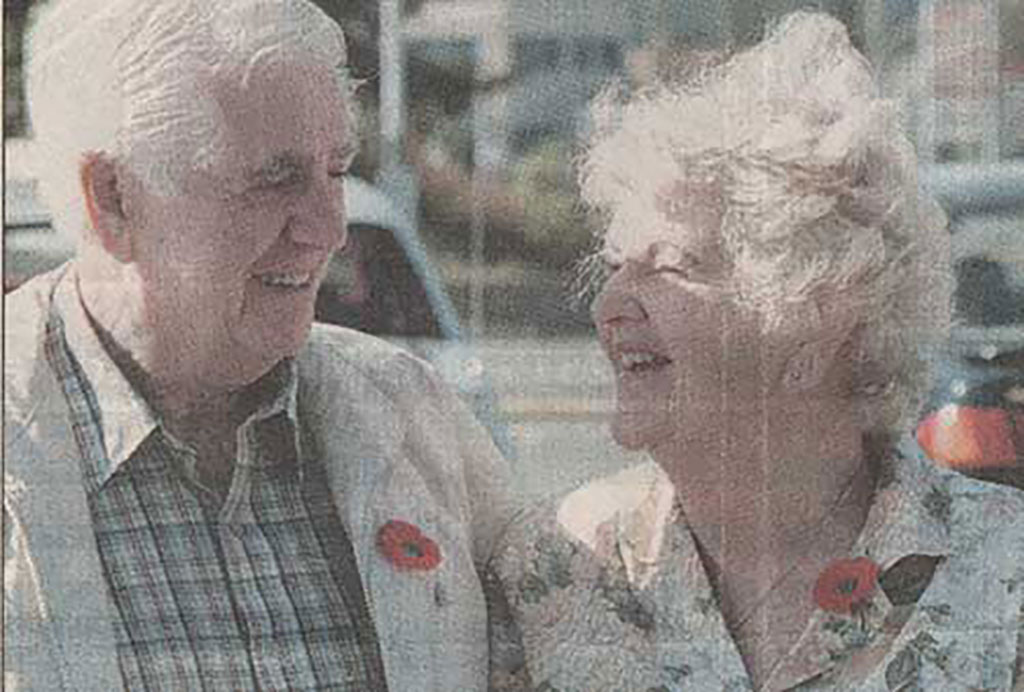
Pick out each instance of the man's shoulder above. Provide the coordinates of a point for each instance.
(353, 347)
(333, 350)
(25, 314)
(340, 357)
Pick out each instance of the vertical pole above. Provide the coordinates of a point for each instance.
(489, 142)
(478, 220)
(478, 231)
(873, 23)
(991, 90)
(392, 106)
(926, 120)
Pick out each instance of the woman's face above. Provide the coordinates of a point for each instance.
(684, 353)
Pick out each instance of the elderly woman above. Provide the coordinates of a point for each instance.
(774, 272)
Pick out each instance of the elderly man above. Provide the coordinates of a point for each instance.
(201, 491)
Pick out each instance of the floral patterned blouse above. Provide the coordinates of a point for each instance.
(608, 592)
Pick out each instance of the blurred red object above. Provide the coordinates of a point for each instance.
(1018, 434)
(973, 419)
(969, 437)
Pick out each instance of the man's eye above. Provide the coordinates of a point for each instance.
(337, 173)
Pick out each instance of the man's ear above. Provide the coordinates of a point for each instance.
(101, 190)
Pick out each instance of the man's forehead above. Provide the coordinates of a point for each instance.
(281, 115)
(278, 75)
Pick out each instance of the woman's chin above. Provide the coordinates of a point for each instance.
(635, 433)
(628, 440)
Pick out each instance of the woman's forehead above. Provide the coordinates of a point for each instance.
(661, 242)
(685, 209)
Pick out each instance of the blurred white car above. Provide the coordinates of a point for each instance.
(974, 419)
(382, 283)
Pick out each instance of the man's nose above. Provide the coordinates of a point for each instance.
(618, 300)
(319, 218)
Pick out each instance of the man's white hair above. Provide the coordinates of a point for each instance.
(131, 78)
(813, 186)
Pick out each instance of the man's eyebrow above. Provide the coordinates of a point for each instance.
(288, 166)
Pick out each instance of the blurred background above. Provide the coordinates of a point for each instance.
(471, 115)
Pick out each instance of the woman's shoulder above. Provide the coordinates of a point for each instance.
(588, 516)
(573, 571)
(973, 531)
(559, 552)
(982, 515)
(950, 512)
(913, 473)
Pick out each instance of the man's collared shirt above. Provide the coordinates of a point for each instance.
(255, 589)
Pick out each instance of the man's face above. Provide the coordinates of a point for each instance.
(230, 267)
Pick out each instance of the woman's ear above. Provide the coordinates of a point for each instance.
(103, 204)
(831, 336)
(864, 376)
(806, 368)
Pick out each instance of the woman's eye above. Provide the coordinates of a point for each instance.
(609, 266)
(683, 265)
(692, 269)
(678, 273)
(274, 183)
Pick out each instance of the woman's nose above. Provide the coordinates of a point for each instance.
(618, 301)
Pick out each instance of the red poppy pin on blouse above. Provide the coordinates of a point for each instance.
(847, 586)
(405, 546)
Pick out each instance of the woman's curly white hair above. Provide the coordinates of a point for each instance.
(814, 188)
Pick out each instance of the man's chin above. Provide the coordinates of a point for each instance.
(293, 341)
(263, 352)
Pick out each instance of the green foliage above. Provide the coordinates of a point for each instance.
(554, 226)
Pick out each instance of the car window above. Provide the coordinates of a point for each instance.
(371, 286)
(989, 293)
(989, 266)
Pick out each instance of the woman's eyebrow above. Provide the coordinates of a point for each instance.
(345, 153)
(284, 167)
